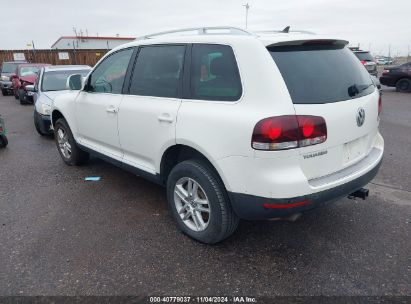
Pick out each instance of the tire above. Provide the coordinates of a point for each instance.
(3, 92)
(403, 85)
(3, 141)
(22, 96)
(63, 136)
(220, 221)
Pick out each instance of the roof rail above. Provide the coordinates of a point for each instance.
(201, 31)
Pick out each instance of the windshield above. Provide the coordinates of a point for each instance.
(30, 70)
(9, 67)
(56, 80)
(321, 73)
(364, 56)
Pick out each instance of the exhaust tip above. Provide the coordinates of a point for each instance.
(360, 193)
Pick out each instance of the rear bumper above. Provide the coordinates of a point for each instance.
(388, 81)
(258, 208)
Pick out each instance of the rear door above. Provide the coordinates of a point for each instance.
(148, 114)
(327, 80)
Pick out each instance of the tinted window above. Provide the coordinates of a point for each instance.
(109, 76)
(158, 71)
(321, 73)
(56, 80)
(214, 73)
(364, 56)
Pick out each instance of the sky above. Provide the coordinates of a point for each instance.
(378, 25)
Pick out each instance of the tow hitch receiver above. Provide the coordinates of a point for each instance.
(360, 193)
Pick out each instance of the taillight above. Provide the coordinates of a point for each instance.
(288, 132)
(379, 105)
(363, 62)
(385, 72)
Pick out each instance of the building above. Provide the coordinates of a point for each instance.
(89, 43)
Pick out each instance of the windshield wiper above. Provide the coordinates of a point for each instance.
(356, 89)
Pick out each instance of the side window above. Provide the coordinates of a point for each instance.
(214, 73)
(158, 71)
(109, 76)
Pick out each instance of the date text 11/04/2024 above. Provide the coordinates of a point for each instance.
(187, 299)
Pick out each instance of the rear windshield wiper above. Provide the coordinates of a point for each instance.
(355, 89)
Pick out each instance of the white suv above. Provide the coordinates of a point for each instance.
(234, 124)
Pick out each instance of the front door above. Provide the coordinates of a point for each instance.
(98, 104)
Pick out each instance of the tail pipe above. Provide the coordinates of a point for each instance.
(360, 193)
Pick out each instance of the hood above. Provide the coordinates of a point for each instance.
(53, 94)
(29, 78)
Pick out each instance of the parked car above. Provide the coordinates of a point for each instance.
(25, 74)
(368, 61)
(8, 68)
(51, 82)
(384, 60)
(398, 77)
(234, 125)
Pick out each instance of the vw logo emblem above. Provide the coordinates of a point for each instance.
(360, 117)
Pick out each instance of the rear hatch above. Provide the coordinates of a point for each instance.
(327, 80)
(367, 60)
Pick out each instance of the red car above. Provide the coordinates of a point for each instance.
(25, 74)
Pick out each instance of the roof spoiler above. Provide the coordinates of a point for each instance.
(311, 42)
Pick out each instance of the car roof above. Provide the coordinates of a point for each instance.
(17, 61)
(33, 64)
(52, 68)
(266, 38)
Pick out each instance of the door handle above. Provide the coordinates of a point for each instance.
(165, 118)
(112, 109)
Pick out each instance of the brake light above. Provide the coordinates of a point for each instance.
(288, 132)
(363, 62)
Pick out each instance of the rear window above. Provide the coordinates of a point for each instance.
(56, 80)
(9, 67)
(29, 70)
(364, 56)
(321, 73)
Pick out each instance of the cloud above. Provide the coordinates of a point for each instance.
(375, 23)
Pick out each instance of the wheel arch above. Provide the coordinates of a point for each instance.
(55, 115)
(180, 152)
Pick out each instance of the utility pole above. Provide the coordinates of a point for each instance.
(247, 7)
(408, 54)
(74, 53)
(34, 51)
(389, 51)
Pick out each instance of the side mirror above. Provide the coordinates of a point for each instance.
(30, 88)
(74, 82)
